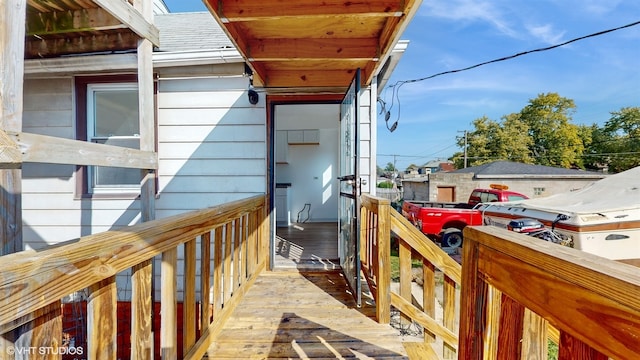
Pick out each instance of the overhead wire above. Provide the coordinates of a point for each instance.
(395, 94)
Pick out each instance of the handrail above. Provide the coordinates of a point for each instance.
(32, 283)
(513, 285)
(378, 223)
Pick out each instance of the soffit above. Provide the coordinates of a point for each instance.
(311, 45)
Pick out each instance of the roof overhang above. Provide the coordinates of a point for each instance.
(314, 46)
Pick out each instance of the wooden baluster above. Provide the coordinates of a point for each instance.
(535, 344)
(244, 266)
(428, 294)
(494, 304)
(141, 306)
(102, 320)
(383, 265)
(168, 306)
(189, 297)
(237, 262)
(251, 244)
(205, 281)
(217, 272)
(406, 276)
(472, 303)
(510, 329)
(228, 245)
(449, 313)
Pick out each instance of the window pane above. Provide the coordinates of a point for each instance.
(111, 176)
(117, 177)
(116, 113)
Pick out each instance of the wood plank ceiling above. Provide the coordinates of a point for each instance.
(311, 44)
(64, 27)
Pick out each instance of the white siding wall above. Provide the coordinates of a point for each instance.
(50, 212)
(212, 143)
(212, 150)
(211, 147)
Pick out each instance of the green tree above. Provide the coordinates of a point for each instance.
(617, 143)
(555, 140)
(491, 141)
(390, 167)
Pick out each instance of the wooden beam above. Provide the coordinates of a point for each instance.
(12, 15)
(63, 22)
(309, 77)
(245, 10)
(10, 155)
(128, 15)
(54, 150)
(113, 41)
(297, 49)
(80, 64)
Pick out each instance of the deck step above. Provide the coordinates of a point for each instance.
(420, 351)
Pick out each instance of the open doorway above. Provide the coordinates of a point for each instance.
(306, 153)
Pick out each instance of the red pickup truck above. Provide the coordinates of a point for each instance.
(444, 221)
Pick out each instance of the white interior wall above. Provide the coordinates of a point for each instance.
(312, 170)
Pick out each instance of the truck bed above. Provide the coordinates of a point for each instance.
(442, 205)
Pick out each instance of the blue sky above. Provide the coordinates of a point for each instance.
(601, 74)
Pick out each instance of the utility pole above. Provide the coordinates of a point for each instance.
(465, 147)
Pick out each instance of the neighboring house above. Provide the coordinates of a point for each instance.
(531, 180)
(435, 166)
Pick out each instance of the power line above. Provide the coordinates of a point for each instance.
(396, 87)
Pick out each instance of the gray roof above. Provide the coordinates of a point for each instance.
(498, 168)
(190, 31)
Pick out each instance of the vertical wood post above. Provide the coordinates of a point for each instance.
(205, 282)
(146, 112)
(383, 286)
(510, 329)
(102, 320)
(168, 307)
(450, 311)
(12, 31)
(217, 272)
(141, 305)
(404, 257)
(534, 337)
(472, 305)
(237, 262)
(428, 295)
(189, 297)
(228, 278)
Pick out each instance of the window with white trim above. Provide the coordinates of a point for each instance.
(112, 119)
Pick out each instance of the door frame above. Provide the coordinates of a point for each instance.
(272, 101)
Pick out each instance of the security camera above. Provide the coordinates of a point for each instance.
(253, 96)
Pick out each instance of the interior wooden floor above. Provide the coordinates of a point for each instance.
(307, 246)
(304, 315)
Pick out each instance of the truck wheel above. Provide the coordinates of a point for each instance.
(452, 238)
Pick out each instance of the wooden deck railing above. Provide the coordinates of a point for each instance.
(514, 285)
(379, 222)
(517, 292)
(233, 237)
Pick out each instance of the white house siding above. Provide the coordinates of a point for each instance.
(211, 143)
(51, 214)
(211, 146)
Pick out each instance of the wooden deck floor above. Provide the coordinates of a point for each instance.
(291, 315)
(307, 246)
